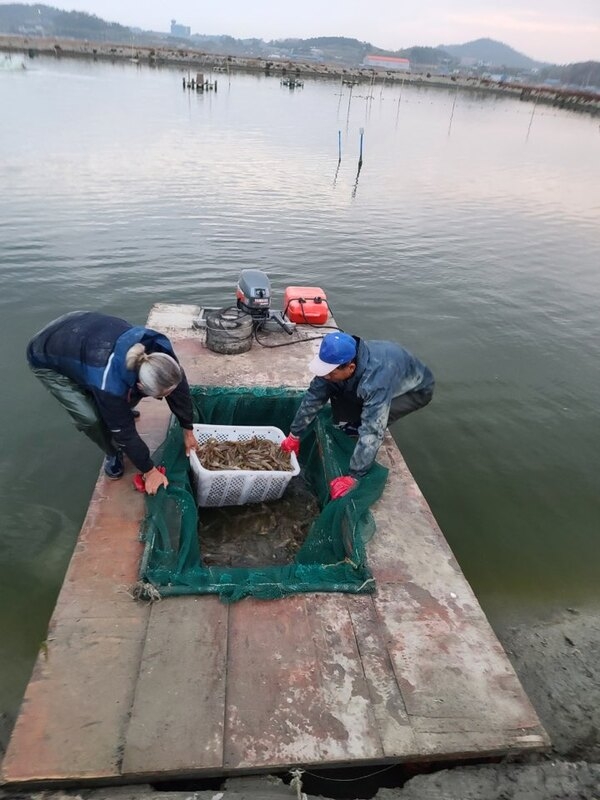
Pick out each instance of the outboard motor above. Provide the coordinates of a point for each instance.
(254, 293)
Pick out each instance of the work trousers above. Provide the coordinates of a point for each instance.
(348, 408)
(79, 405)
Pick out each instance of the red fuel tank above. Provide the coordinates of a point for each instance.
(306, 305)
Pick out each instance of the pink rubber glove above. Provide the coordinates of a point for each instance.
(338, 487)
(291, 444)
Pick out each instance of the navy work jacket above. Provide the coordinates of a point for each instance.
(91, 349)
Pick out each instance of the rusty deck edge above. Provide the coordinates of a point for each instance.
(540, 745)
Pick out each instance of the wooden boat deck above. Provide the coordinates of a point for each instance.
(125, 691)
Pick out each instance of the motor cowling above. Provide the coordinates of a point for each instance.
(253, 293)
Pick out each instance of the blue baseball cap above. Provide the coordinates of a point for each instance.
(336, 349)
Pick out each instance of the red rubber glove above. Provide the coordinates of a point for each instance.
(291, 444)
(338, 487)
(138, 480)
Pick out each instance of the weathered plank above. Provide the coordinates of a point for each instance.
(459, 744)
(296, 689)
(409, 545)
(102, 570)
(178, 714)
(73, 720)
(153, 422)
(393, 722)
(459, 689)
(450, 665)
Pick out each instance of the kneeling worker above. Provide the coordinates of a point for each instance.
(369, 384)
(99, 367)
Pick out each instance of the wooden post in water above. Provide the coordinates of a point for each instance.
(452, 112)
(348, 114)
(337, 169)
(360, 161)
(399, 101)
(531, 117)
(382, 87)
(362, 133)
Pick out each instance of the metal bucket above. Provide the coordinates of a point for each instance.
(229, 331)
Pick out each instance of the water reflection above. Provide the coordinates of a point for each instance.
(478, 251)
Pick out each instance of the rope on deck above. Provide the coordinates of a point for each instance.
(296, 783)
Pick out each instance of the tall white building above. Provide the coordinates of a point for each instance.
(180, 30)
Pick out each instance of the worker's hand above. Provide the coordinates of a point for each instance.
(291, 444)
(139, 483)
(189, 441)
(338, 487)
(154, 479)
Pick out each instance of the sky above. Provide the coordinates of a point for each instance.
(556, 31)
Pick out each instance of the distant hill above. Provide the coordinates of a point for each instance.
(41, 20)
(429, 56)
(491, 52)
(324, 48)
(586, 75)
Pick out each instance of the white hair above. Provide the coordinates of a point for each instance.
(157, 372)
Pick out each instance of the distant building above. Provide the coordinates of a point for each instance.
(180, 30)
(387, 62)
(31, 30)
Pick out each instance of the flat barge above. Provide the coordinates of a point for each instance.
(191, 687)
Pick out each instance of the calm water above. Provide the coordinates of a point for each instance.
(466, 240)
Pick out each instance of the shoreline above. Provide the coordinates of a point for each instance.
(192, 59)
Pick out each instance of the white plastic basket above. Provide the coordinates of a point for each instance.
(234, 487)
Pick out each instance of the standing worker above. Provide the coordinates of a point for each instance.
(99, 368)
(369, 384)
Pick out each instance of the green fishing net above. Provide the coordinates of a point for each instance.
(332, 556)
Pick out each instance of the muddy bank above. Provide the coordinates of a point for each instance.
(551, 781)
(556, 661)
